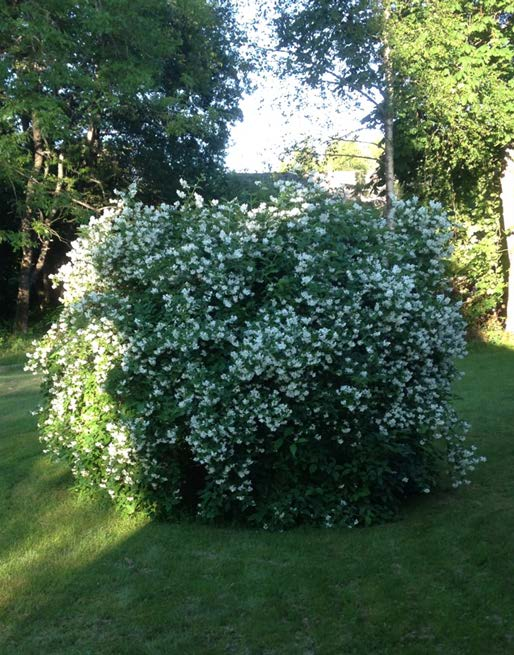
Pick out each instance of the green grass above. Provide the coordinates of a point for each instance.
(78, 579)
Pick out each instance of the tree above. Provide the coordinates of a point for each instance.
(454, 106)
(342, 155)
(302, 158)
(507, 197)
(344, 46)
(338, 155)
(442, 74)
(97, 92)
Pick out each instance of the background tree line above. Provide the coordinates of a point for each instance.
(440, 78)
(95, 93)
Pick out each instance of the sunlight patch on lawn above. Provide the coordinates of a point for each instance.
(65, 538)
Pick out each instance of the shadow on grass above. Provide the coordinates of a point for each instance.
(76, 578)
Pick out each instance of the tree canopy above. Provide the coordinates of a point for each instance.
(440, 75)
(337, 155)
(454, 68)
(98, 92)
(344, 46)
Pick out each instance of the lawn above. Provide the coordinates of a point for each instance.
(78, 579)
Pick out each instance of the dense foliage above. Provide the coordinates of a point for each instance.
(454, 99)
(289, 363)
(338, 43)
(443, 73)
(95, 94)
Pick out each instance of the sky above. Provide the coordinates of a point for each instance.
(272, 123)
(270, 126)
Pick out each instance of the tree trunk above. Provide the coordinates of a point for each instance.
(37, 268)
(46, 243)
(46, 292)
(21, 321)
(388, 114)
(389, 158)
(507, 196)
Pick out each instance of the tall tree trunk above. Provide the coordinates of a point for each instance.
(21, 320)
(388, 113)
(389, 156)
(46, 243)
(39, 265)
(507, 183)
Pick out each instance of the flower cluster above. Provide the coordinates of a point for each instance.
(287, 363)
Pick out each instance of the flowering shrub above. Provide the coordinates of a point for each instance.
(289, 363)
